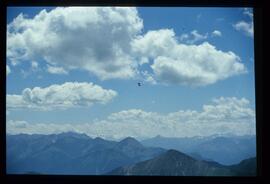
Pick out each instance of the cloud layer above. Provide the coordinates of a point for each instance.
(108, 43)
(228, 115)
(67, 95)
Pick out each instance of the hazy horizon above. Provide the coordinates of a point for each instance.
(141, 138)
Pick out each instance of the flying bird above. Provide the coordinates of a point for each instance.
(139, 84)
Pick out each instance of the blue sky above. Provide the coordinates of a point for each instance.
(172, 90)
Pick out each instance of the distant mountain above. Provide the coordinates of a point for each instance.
(72, 153)
(125, 152)
(173, 163)
(136, 150)
(226, 150)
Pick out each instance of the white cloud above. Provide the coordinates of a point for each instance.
(177, 63)
(34, 65)
(228, 115)
(148, 77)
(56, 70)
(248, 12)
(193, 37)
(154, 43)
(246, 27)
(8, 71)
(96, 39)
(197, 36)
(184, 37)
(15, 101)
(216, 33)
(229, 109)
(67, 95)
(108, 43)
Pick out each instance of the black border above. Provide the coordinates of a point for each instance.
(260, 127)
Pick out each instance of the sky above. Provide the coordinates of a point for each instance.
(78, 69)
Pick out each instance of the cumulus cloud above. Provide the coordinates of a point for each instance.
(216, 33)
(67, 95)
(177, 63)
(56, 70)
(193, 37)
(108, 43)
(228, 115)
(246, 27)
(96, 39)
(7, 70)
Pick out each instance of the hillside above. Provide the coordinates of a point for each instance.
(173, 163)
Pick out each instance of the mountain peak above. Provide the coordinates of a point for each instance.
(158, 136)
(176, 154)
(130, 141)
(99, 139)
(172, 151)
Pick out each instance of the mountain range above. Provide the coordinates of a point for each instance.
(78, 154)
(226, 150)
(72, 153)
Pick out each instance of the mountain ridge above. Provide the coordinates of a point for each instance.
(222, 149)
(72, 153)
(172, 163)
(175, 163)
(75, 153)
